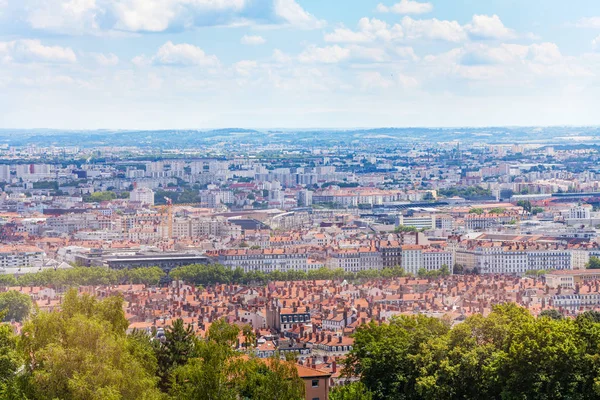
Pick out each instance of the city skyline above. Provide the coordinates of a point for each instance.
(209, 64)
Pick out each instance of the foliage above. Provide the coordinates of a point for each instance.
(10, 361)
(471, 191)
(526, 204)
(497, 210)
(436, 273)
(97, 197)
(352, 391)
(84, 276)
(405, 228)
(15, 305)
(593, 263)
(477, 211)
(218, 372)
(551, 313)
(507, 355)
(210, 274)
(82, 352)
(176, 349)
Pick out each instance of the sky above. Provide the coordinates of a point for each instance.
(201, 64)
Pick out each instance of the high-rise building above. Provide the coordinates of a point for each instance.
(143, 195)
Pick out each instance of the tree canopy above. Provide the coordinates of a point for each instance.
(507, 355)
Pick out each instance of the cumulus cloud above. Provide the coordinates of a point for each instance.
(325, 55)
(117, 16)
(488, 27)
(406, 7)
(373, 80)
(280, 57)
(589, 22)
(245, 67)
(29, 50)
(450, 31)
(368, 31)
(406, 52)
(107, 60)
(596, 42)
(64, 16)
(293, 14)
(183, 54)
(252, 40)
(544, 53)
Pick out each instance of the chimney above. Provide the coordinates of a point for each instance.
(333, 367)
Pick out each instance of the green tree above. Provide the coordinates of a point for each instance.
(10, 362)
(405, 228)
(178, 347)
(552, 314)
(383, 355)
(526, 204)
(352, 391)
(82, 352)
(271, 379)
(15, 305)
(593, 263)
(150, 276)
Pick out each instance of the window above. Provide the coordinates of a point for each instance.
(315, 383)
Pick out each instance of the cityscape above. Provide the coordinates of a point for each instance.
(299, 200)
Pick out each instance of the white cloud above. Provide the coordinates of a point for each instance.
(376, 54)
(252, 40)
(141, 61)
(488, 27)
(280, 57)
(183, 55)
(436, 29)
(325, 55)
(596, 42)
(107, 60)
(99, 17)
(368, 31)
(545, 53)
(373, 80)
(293, 14)
(160, 15)
(589, 22)
(406, 7)
(407, 82)
(29, 50)
(245, 67)
(406, 52)
(68, 16)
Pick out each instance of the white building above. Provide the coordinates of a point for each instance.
(142, 194)
(21, 256)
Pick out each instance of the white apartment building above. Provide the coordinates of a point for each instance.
(4, 173)
(435, 259)
(515, 258)
(419, 221)
(214, 199)
(20, 256)
(264, 260)
(143, 195)
(411, 258)
(356, 259)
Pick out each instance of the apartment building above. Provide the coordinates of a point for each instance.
(264, 260)
(356, 259)
(18, 256)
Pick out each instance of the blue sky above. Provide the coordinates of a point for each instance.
(159, 64)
